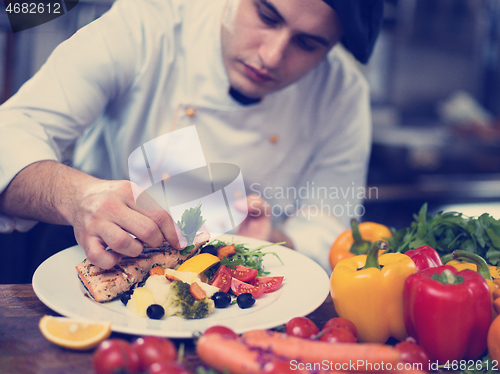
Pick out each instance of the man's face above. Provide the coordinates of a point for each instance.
(269, 44)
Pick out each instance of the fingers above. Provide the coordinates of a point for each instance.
(165, 226)
(257, 224)
(168, 228)
(98, 255)
(253, 203)
(107, 213)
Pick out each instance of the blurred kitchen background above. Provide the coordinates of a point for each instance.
(435, 78)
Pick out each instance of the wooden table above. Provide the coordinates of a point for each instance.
(23, 349)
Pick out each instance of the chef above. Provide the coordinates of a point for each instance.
(271, 86)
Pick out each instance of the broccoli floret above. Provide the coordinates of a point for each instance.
(184, 305)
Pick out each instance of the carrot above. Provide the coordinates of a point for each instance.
(229, 355)
(233, 356)
(356, 357)
(226, 251)
(197, 292)
(157, 270)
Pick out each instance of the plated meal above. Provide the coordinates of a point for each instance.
(57, 285)
(163, 282)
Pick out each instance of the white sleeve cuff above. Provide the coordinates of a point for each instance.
(9, 224)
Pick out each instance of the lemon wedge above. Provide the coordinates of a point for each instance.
(199, 263)
(72, 333)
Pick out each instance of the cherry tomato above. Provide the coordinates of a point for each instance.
(337, 335)
(243, 273)
(278, 367)
(413, 353)
(151, 349)
(342, 323)
(167, 367)
(301, 327)
(115, 355)
(221, 330)
(221, 279)
(270, 284)
(239, 287)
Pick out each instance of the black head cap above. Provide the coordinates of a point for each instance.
(361, 21)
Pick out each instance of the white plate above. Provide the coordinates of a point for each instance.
(305, 287)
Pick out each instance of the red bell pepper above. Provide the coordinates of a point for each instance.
(448, 312)
(425, 257)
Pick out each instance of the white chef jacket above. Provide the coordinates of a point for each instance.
(152, 66)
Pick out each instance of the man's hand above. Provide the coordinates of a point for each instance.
(258, 223)
(106, 212)
(101, 212)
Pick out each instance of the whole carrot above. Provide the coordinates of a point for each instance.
(234, 356)
(224, 354)
(352, 357)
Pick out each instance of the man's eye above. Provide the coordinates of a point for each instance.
(267, 19)
(306, 45)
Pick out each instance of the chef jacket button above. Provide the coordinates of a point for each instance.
(190, 112)
(274, 138)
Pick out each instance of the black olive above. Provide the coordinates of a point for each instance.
(125, 297)
(221, 299)
(212, 249)
(155, 311)
(245, 300)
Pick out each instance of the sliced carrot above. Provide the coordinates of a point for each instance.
(226, 251)
(197, 292)
(343, 355)
(171, 277)
(157, 270)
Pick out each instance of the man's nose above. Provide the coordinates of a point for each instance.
(273, 49)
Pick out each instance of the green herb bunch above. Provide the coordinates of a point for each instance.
(447, 231)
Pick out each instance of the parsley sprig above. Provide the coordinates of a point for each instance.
(191, 221)
(447, 231)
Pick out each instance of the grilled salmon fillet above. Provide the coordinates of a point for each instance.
(106, 284)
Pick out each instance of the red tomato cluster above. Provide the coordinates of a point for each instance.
(242, 279)
(335, 330)
(149, 355)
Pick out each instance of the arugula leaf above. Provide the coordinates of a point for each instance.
(252, 258)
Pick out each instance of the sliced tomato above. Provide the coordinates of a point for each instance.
(239, 287)
(243, 273)
(269, 284)
(221, 279)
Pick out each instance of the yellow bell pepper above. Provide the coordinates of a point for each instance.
(371, 296)
(463, 264)
(467, 260)
(357, 241)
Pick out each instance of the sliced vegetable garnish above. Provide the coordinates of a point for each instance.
(251, 258)
(239, 287)
(221, 279)
(269, 284)
(243, 273)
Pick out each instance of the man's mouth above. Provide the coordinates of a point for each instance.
(257, 75)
